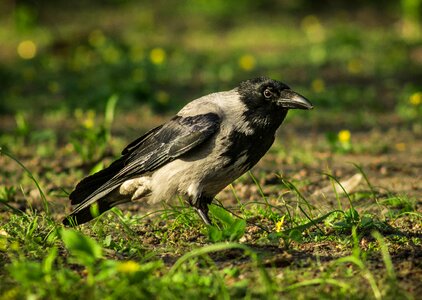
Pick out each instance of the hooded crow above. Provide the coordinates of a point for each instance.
(209, 143)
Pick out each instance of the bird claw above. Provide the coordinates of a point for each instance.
(203, 215)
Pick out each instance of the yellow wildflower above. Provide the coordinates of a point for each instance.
(416, 98)
(247, 62)
(279, 225)
(157, 56)
(344, 136)
(27, 49)
(129, 266)
(89, 121)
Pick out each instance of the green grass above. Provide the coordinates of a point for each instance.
(172, 254)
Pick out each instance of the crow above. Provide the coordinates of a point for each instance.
(208, 144)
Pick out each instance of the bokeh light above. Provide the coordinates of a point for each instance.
(344, 136)
(416, 99)
(157, 56)
(27, 49)
(247, 62)
(313, 29)
(129, 266)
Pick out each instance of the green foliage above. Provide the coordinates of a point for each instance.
(83, 249)
(231, 228)
(349, 219)
(410, 107)
(89, 144)
(102, 277)
(90, 140)
(398, 205)
(25, 18)
(30, 175)
(72, 264)
(411, 17)
(7, 194)
(296, 233)
(22, 127)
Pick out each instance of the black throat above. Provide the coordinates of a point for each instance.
(263, 122)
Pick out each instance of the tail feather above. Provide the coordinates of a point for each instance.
(85, 215)
(90, 184)
(86, 188)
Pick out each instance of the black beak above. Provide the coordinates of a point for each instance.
(290, 100)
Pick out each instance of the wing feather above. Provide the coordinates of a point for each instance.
(154, 149)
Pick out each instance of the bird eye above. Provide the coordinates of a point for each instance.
(267, 93)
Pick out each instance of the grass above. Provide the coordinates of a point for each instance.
(172, 254)
(277, 238)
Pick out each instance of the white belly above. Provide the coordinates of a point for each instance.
(189, 178)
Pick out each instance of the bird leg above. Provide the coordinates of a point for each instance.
(203, 215)
(201, 207)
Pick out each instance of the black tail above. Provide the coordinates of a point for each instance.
(88, 187)
(85, 215)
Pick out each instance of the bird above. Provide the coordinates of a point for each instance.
(208, 144)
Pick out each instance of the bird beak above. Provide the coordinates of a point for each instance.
(290, 99)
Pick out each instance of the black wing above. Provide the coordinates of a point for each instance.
(154, 149)
(90, 184)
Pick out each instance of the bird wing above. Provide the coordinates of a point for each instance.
(154, 149)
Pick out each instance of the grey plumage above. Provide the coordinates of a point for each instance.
(211, 141)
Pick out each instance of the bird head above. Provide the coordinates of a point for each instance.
(272, 94)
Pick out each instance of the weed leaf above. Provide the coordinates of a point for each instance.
(84, 249)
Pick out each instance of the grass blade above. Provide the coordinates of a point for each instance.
(29, 173)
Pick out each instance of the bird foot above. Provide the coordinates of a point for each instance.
(203, 215)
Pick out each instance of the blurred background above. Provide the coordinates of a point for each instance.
(75, 73)
(357, 59)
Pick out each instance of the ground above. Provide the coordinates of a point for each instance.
(288, 188)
